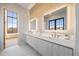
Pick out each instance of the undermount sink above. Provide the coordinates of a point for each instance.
(46, 35)
(51, 36)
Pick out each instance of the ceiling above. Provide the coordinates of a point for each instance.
(27, 5)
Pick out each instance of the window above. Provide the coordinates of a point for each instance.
(56, 24)
(52, 24)
(12, 22)
(60, 23)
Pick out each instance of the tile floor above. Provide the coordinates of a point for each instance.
(19, 50)
(10, 42)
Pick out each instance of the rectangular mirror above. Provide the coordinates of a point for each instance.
(33, 24)
(56, 20)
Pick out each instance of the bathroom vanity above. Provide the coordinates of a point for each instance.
(51, 43)
(48, 46)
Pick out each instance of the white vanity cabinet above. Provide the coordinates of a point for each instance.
(47, 48)
(44, 47)
(30, 40)
(59, 50)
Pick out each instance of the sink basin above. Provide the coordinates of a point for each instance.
(46, 35)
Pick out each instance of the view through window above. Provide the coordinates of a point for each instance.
(12, 22)
(56, 23)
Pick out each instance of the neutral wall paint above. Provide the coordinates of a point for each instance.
(22, 19)
(1, 28)
(77, 30)
(40, 9)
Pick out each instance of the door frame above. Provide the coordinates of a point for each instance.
(3, 28)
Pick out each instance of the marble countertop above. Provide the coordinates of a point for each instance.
(61, 41)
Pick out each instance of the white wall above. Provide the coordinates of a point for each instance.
(22, 18)
(77, 30)
(1, 29)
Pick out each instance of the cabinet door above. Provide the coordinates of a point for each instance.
(49, 49)
(58, 50)
(35, 43)
(29, 40)
(54, 49)
(44, 47)
(65, 51)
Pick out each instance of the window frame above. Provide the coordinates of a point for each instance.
(49, 24)
(12, 22)
(56, 23)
